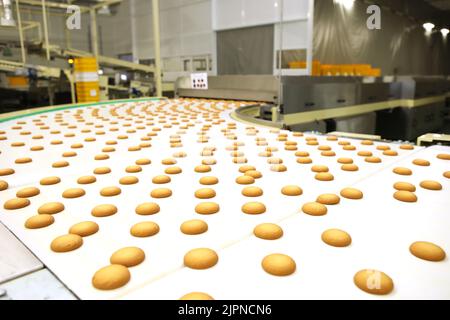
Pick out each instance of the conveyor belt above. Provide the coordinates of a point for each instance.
(381, 227)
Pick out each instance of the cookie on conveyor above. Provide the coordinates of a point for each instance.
(202, 258)
(279, 265)
(374, 282)
(111, 277)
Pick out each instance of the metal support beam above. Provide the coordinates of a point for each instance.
(94, 34)
(157, 45)
(49, 4)
(44, 17)
(22, 45)
(309, 50)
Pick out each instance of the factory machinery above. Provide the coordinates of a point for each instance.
(394, 108)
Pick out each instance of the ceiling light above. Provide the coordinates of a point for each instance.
(428, 26)
(444, 32)
(123, 77)
(347, 4)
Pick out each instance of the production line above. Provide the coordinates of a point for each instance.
(238, 205)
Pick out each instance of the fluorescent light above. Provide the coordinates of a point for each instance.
(347, 4)
(123, 77)
(428, 26)
(444, 32)
(100, 72)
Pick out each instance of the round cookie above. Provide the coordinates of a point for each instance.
(161, 193)
(304, 160)
(244, 169)
(173, 170)
(104, 210)
(279, 265)
(431, 185)
(205, 193)
(110, 191)
(254, 174)
(349, 167)
(51, 208)
(48, 181)
(60, 164)
(245, 180)
(148, 208)
(318, 169)
(328, 199)
(444, 156)
(292, 191)
(324, 176)
(209, 181)
(84, 229)
(196, 296)
(111, 277)
(73, 193)
(3, 185)
(352, 194)
(144, 229)
(268, 231)
(404, 186)
(336, 238)
(28, 192)
(86, 180)
(128, 257)
(6, 172)
(254, 208)
(374, 282)
(39, 221)
(252, 192)
(66, 243)
(427, 251)
(446, 174)
(15, 204)
(405, 196)
(314, 209)
(129, 180)
(133, 169)
(372, 160)
(202, 168)
(161, 179)
(345, 160)
(207, 208)
(194, 227)
(421, 162)
(200, 259)
(402, 171)
(102, 170)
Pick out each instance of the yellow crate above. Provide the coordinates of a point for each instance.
(18, 81)
(86, 64)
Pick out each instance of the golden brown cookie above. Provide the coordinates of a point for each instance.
(431, 185)
(28, 192)
(128, 257)
(144, 229)
(350, 167)
(133, 169)
(102, 170)
(6, 172)
(336, 238)
(39, 221)
(194, 227)
(374, 282)
(405, 196)
(328, 199)
(421, 162)
(268, 231)
(207, 208)
(161, 193)
(404, 186)
(352, 193)
(279, 265)
(73, 193)
(244, 169)
(252, 192)
(254, 174)
(84, 229)
(245, 180)
(427, 251)
(292, 191)
(173, 170)
(209, 181)
(110, 191)
(205, 193)
(104, 210)
(161, 179)
(254, 208)
(51, 208)
(402, 171)
(86, 180)
(3, 185)
(202, 258)
(324, 176)
(345, 160)
(129, 180)
(60, 164)
(202, 168)
(148, 208)
(196, 296)
(314, 209)
(48, 181)
(372, 160)
(447, 174)
(111, 277)
(66, 243)
(444, 156)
